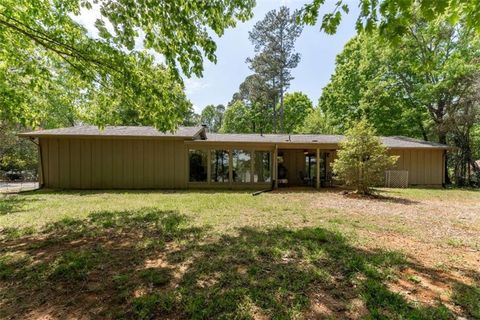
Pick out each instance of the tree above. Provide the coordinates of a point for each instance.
(236, 119)
(297, 107)
(364, 85)
(50, 61)
(257, 98)
(220, 110)
(462, 122)
(393, 17)
(212, 117)
(362, 158)
(274, 42)
(16, 154)
(191, 119)
(316, 122)
(411, 89)
(152, 96)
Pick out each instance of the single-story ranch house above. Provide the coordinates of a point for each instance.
(86, 157)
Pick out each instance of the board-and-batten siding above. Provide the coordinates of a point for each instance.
(70, 163)
(425, 167)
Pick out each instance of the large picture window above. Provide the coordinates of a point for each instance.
(242, 161)
(263, 167)
(198, 165)
(219, 166)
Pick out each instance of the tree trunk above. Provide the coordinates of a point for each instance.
(422, 130)
(442, 138)
(281, 106)
(282, 83)
(274, 109)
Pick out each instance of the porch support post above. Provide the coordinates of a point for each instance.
(317, 162)
(275, 167)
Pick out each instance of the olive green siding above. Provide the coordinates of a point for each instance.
(425, 167)
(153, 163)
(70, 163)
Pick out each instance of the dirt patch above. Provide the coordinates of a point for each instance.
(440, 235)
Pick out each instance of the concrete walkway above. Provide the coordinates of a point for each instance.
(13, 187)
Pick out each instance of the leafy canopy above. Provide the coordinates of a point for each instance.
(393, 17)
(237, 119)
(362, 158)
(297, 107)
(16, 154)
(408, 90)
(50, 64)
(212, 117)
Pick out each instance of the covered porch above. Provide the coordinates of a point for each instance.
(306, 167)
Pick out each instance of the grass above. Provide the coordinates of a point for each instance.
(222, 255)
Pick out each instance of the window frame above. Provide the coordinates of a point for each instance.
(229, 153)
(270, 169)
(229, 150)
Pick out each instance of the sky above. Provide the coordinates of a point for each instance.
(221, 80)
(318, 51)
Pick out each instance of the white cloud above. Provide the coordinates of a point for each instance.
(87, 19)
(194, 85)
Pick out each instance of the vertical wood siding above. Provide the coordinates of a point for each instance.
(424, 167)
(70, 163)
(113, 163)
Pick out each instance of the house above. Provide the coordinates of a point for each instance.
(86, 157)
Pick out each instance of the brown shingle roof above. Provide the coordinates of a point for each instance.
(117, 131)
(390, 142)
(274, 138)
(196, 132)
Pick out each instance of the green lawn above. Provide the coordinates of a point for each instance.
(285, 255)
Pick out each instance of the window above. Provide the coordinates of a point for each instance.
(241, 165)
(310, 166)
(219, 165)
(262, 167)
(198, 165)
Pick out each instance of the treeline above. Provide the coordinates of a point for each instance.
(425, 84)
(261, 104)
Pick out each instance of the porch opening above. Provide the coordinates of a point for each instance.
(298, 167)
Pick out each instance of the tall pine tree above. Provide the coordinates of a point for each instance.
(274, 40)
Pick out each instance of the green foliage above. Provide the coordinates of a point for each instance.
(393, 17)
(258, 98)
(364, 85)
(297, 106)
(425, 86)
(153, 97)
(476, 141)
(73, 265)
(147, 306)
(469, 298)
(316, 122)
(50, 65)
(156, 277)
(222, 266)
(362, 158)
(16, 154)
(237, 119)
(274, 42)
(212, 117)
(191, 119)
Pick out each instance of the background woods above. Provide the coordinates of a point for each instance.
(411, 70)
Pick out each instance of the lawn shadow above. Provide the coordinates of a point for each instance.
(12, 203)
(80, 192)
(378, 197)
(150, 263)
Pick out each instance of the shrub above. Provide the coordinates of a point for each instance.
(362, 158)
